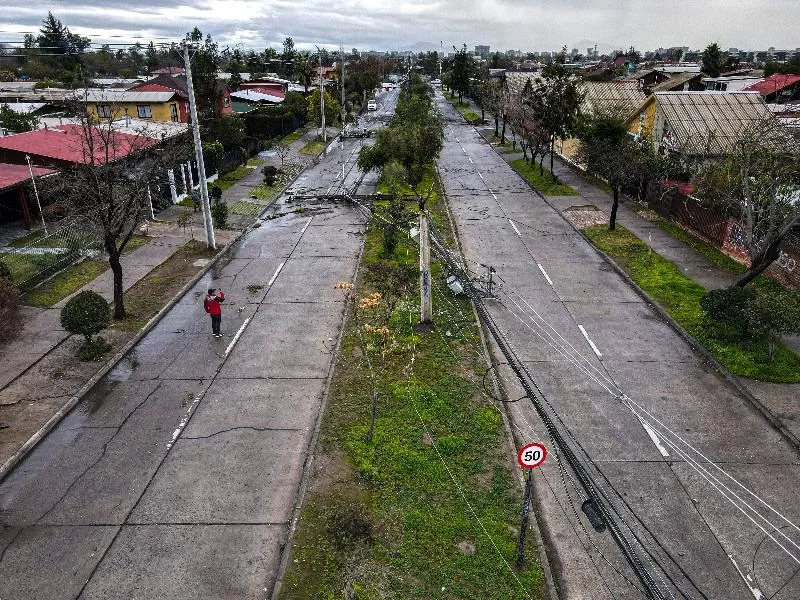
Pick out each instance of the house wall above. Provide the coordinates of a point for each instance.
(183, 104)
(643, 123)
(160, 112)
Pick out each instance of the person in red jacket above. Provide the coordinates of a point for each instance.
(212, 306)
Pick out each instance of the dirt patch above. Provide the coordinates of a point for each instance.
(586, 218)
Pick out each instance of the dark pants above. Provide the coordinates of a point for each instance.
(215, 321)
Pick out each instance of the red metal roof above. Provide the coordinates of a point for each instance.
(11, 175)
(68, 144)
(773, 83)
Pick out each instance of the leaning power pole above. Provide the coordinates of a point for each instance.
(198, 152)
(426, 303)
(344, 109)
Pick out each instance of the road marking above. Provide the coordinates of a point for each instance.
(274, 277)
(237, 336)
(654, 436)
(184, 420)
(302, 231)
(470, 161)
(757, 594)
(517, 230)
(546, 276)
(480, 175)
(591, 343)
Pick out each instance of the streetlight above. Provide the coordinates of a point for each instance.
(36, 193)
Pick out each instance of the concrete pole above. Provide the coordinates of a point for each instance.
(198, 152)
(426, 302)
(344, 110)
(173, 192)
(183, 177)
(189, 177)
(150, 201)
(322, 98)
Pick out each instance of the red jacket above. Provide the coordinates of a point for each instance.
(211, 303)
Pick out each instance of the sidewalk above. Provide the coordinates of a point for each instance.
(780, 399)
(40, 369)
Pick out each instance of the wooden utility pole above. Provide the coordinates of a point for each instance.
(523, 527)
(426, 302)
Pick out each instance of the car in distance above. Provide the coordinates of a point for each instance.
(372, 105)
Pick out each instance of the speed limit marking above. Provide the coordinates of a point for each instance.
(531, 455)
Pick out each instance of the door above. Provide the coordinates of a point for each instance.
(173, 110)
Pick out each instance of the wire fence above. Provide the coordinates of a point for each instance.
(38, 255)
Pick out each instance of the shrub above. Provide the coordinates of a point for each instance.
(727, 312)
(86, 313)
(94, 350)
(9, 306)
(216, 192)
(773, 314)
(5, 272)
(219, 212)
(270, 174)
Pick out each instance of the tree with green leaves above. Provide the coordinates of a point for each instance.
(712, 60)
(461, 71)
(332, 108)
(17, 122)
(205, 64)
(304, 70)
(287, 57)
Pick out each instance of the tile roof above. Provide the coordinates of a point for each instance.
(774, 83)
(68, 144)
(710, 123)
(11, 175)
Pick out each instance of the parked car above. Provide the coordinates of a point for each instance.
(372, 105)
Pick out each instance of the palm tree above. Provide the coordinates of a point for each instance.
(304, 70)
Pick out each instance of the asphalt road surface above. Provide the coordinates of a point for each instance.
(588, 338)
(178, 475)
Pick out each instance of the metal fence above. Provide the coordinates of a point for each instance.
(38, 255)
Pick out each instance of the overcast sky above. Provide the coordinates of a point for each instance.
(423, 24)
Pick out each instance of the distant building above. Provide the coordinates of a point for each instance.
(483, 52)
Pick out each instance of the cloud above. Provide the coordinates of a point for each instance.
(383, 25)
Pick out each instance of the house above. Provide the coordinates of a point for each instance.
(247, 99)
(68, 146)
(680, 82)
(177, 83)
(779, 88)
(696, 123)
(13, 181)
(619, 97)
(267, 85)
(729, 83)
(647, 78)
(156, 106)
(169, 71)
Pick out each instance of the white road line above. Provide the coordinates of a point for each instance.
(237, 336)
(184, 420)
(470, 162)
(517, 230)
(654, 436)
(302, 231)
(480, 174)
(546, 276)
(757, 594)
(274, 277)
(591, 343)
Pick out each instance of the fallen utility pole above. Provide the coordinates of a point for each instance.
(426, 303)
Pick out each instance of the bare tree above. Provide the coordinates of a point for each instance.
(759, 184)
(110, 183)
(282, 149)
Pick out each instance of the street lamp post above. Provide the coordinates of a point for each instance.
(36, 193)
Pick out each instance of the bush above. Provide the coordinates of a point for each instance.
(270, 174)
(216, 192)
(86, 313)
(94, 350)
(219, 212)
(773, 314)
(727, 312)
(5, 272)
(9, 305)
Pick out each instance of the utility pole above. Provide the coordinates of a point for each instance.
(36, 193)
(198, 152)
(426, 302)
(344, 110)
(321, 97)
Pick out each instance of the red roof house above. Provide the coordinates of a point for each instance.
(12, 188)
(67, 145)
(778, 88)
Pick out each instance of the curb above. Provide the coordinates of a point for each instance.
(62, 412)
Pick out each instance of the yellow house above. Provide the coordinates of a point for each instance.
(104, 105)
(697, 123)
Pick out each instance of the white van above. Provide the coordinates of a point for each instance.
(372, 105)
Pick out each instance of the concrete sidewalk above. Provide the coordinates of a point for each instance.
(780, 399)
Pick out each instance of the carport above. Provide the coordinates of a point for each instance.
(13, 199)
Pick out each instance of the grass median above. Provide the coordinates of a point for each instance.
(680, 297)
(426, 508)
(542, 181)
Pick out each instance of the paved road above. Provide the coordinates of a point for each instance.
(178, 475)
(587, 337)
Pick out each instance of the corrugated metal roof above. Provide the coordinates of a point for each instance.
(676, 80)
(11, 175)
(774, 83)
(618, 98)
(111, 96)
(254, 96)
(516, 80)
(709, 123)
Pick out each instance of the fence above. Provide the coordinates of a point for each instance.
(38, 256)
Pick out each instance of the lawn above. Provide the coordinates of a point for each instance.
(313, 147)
(386, 516)
(544, 184)
(294, 136)
(680, 297)
(226, 181)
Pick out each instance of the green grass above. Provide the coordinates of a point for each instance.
(255, 162)
(680, 297)
(226, 181)
(385, 515)
(544, 184)
(74, 277)
(471, 116)
(313, 147)
(294, 136)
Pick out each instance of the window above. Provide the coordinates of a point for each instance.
(104, 111)
(226, 102)
(144, 111)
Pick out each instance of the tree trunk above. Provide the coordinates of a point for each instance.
(552, 149)
(496, 125)
(612, 224)
(760, 262)
(116, 269)
(483, 114)
(503, 134)
(541, 165)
